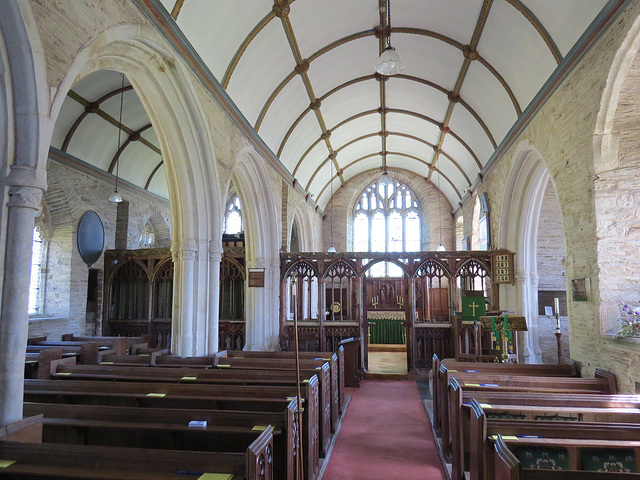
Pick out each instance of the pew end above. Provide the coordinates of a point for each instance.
(609, 377)
(26, 430)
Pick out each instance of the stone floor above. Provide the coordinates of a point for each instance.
(387, 360)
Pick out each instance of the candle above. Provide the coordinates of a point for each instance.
(556, 306)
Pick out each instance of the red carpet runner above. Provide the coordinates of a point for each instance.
(384, 436)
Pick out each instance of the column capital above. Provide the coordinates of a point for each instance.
(25, 197)
(215, 250)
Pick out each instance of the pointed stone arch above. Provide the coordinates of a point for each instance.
(164, 85)
(262, 229)
(518, 232)
(304, 224)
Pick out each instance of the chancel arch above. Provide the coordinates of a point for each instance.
(187, 152)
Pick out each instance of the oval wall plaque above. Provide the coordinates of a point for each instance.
(90, 237)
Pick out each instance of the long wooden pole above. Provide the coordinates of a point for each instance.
(299, 460)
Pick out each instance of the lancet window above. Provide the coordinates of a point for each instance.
(38, 264)
(233, 218)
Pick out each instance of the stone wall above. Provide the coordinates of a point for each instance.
(71, 193)
(340, 208)
(563, 134)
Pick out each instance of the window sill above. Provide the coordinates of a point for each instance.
(45, 318)
(627, 340)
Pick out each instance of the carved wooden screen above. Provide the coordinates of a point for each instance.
(432, 293)
(473, 279)
(340, 292)
(130, 293)
(163, 299)
(302, 292)
(232, 277)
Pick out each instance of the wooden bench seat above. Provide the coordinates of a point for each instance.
(214, 376)
(189, 396)
(480, 428)
(509, 467)
(288, 364)
(99, 425)
(58, 461)
(336, 359)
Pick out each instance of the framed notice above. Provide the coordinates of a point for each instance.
(502, 269)
(256, 277)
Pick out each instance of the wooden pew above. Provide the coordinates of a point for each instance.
(169, 429)
(193, 362)
(39, 365)
(85, 353)
(353, 365)
(480, 428)
(62, 462)
(460, 421)
(602, 384)
(212, 376)
(567, 369)
(190, 396)
(509, 467)
(331, 402)
(120, 345)
(334, 358)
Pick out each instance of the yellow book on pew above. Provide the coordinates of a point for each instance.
(156, 394)
(216, 476)
(471, 384)
(189, 378)
(261, 428)
(222, 365)
(63, 373)
(485, 405)
(505, 437)
(6, 463)
(106, 363)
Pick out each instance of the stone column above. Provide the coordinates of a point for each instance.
(14, 319)
(525, 307)
(215, 257)
(182, 328)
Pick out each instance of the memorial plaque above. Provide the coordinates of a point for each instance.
(90, 237)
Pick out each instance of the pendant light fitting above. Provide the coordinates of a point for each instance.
(115, 196)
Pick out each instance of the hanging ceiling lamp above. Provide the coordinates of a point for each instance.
(331, 249)
(115, 196)
(385, 179)
(389, 62)
(441, 247)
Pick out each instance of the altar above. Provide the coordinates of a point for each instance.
(387, 327)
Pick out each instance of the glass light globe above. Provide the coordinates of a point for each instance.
(385, 179)
(332, 249)
(441, 248)
(389, 63)
(115, 197)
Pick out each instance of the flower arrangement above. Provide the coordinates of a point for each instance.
(629, 322)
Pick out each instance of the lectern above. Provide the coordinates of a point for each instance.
(502, 326)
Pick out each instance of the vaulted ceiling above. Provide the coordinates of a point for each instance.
(302, 74)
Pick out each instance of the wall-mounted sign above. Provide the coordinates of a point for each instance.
(502, 267)
(90, 237)
(256, 277)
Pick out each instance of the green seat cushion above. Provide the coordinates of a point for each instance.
(505, 416)
(610, 460)
(542, 458)
(556, 418)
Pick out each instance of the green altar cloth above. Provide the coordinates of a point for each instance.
(387, 331)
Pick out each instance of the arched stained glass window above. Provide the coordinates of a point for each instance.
(233, 218)
(386, 219)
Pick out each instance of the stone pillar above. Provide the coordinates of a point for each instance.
(215, 257)
(14, 319)
(182, 328)
(526, 296)
(261, 308)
